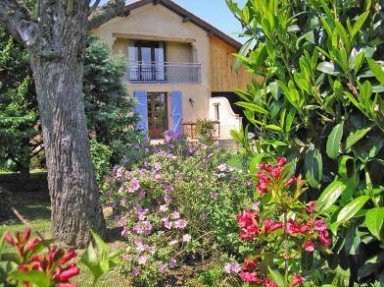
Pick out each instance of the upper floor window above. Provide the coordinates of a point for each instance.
(146, 61)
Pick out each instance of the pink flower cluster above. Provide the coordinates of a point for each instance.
(249, 274)
(54, 263)
(269, 174)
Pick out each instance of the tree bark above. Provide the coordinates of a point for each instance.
(56, 44)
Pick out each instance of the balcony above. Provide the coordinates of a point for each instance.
(164, 73)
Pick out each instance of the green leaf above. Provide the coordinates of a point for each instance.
(252, 107)
(356, 136)
(359, 23)
(91, 260)
(39, 279)
(328, 68)
(313, 164)
(276, 277)
(254, 163)
(348, 211)
(329, 196)
(273, 127)
(374, 220)
(334, 141)
(377, 70)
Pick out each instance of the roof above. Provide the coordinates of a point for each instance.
(187, 16)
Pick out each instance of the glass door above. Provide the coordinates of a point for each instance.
(157, 115)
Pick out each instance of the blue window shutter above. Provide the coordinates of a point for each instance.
(141, 109)
(176, 112)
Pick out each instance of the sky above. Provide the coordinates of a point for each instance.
(215, 12)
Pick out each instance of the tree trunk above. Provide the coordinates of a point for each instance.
(74, 196)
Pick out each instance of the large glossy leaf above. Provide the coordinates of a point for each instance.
(277, 277)
(348, 211)
(328, 68)
(374, 220)
(37, 278)
(252, 107)
(356, 136)
(313, 163)
(359, 23)
(334, 141)
(377, 70)
(329, 196)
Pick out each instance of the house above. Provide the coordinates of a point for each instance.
(180, 67)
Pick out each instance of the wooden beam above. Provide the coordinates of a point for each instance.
(152, 38)
(186, 19)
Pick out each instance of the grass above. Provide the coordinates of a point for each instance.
(35, 208)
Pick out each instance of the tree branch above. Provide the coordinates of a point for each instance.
(105, 13)
(17, 21)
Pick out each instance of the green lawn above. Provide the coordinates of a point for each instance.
(35, 208)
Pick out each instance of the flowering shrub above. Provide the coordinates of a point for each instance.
(283, 227)
(175, 208)
(28, 265)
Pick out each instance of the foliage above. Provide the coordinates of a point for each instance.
(101, 157)
(99, 259)
(28, 264)
(109, 113)
(18, 107)
(176, 208)
(205, 131)
(321, 104)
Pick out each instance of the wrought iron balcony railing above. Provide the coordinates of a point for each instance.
(164, 73)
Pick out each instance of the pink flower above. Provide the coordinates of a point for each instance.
(162, 268)
(135, 272)
(222, 167)
(319, 225)
(139, 245)
(181, 224)
(232, 268)
(175, 215)
(169, 188)
(249, 264)
(172, 262)
(297, 280)
(311, 206)
(308, 245)
(134, 186)
(67, 273)
(214, 195)
(167, 198)
(186, 238)
(163, 208)
(167, 224)
(142, 260)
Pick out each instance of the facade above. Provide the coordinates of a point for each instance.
(177, 63)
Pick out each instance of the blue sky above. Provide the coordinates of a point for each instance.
(214, 12)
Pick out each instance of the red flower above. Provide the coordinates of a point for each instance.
(269, 283)
(249, 265)
(248, 224)
(68, 256)
(281, 161)
(66, 285)
(308, 245)
(290, 181)
(297, 280)
(69, 272)
(324, 238)
(250, 277)
(311, 206)
(320, 225)
(271, 225)
(9, 238)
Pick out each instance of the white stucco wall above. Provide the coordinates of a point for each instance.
(220, 110)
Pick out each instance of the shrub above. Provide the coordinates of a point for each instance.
(178, 207)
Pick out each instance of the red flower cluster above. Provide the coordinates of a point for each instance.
(316, 229)
(248, 222)
(249, 225)
(269, 174)
(249, 275)
(52, 263)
